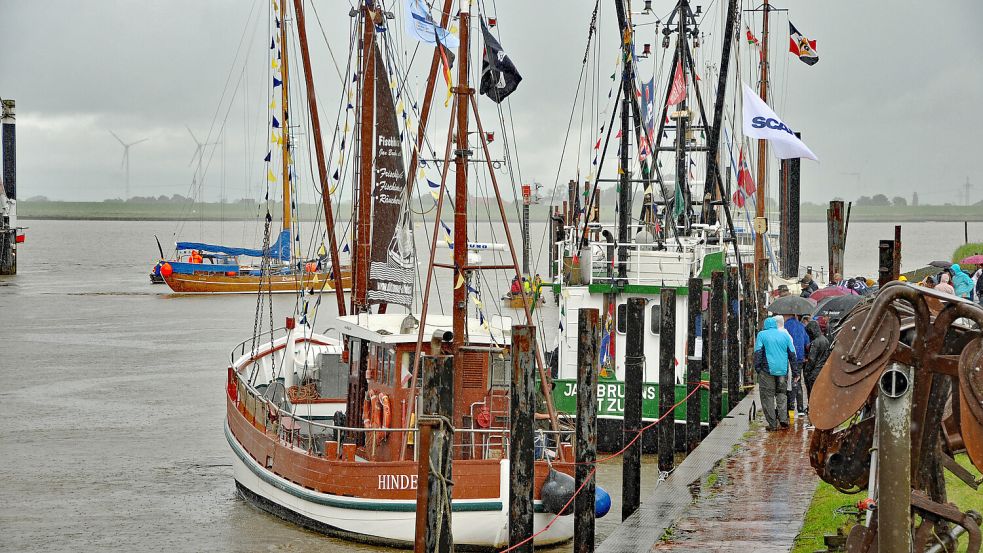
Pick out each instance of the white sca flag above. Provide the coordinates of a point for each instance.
(761, 122)
(422, 27)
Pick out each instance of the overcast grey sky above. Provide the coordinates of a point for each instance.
(892, 107)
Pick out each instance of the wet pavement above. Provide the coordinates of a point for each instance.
(743, 489)
(755, 500)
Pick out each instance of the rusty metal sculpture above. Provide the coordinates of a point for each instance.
(938, 336)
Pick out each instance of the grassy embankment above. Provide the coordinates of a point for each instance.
(166, 211)
(822, 519)
(891, 214)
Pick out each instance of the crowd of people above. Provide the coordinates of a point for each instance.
(790, 350)
(526, 285)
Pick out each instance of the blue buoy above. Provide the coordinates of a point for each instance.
(602, 502)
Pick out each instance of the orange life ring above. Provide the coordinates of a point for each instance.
(381, 416)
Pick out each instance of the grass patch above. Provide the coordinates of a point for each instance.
(821, 518)
(712, 479)
(966, 250)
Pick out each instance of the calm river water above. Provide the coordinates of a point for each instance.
(112, 393)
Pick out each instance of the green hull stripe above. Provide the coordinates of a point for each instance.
(335, 501)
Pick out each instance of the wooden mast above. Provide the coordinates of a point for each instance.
(760, 261)
(285, 125)
(360, 276)
(461, 192)
(322, 168)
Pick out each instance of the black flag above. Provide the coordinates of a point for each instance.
(499, 77)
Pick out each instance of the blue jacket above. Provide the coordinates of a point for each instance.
(961, 282)
(777, 345)
(800, 339)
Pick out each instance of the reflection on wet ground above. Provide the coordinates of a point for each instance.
(755, 499)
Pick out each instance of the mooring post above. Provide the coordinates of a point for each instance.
(894, 459)
(835, 237)
(589, 336)
(521, 446)
(734, 389)
(437, 402)
(716, 365)
(885, 262)
(694, 363)
(897, 252)
(422, 491)
(631, 471)
(667, 379)
(788, 187)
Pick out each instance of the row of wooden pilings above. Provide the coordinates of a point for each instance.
(724, 334)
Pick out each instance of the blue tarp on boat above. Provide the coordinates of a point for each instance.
(279, 250)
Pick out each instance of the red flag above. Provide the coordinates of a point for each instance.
(678, 91)
(738, 198)
(744, 179)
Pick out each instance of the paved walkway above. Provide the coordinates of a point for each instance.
(755, 501)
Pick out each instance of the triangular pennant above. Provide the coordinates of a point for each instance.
(276, 82)
(276, 124)
(269, 155)
(336, 176)
(270, 176)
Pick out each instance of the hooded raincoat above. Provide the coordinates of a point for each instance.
(961, 282)
(777, 345)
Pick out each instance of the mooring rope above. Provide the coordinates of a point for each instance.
(700, 386)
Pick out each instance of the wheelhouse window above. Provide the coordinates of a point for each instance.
(655, 319)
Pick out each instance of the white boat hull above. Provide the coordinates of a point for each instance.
(483, 523)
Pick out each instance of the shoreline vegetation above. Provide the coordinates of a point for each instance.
(135, 210)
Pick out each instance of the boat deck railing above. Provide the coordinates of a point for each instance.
(314, 436)
(240, 349)
(646, 264)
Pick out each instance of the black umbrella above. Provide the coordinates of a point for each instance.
(792, 305)
(837, 307)
(941, 264)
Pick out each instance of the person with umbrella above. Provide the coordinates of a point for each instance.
(800, 340)
(818, 352)
(772, 350)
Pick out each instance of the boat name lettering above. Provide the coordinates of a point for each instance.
(397, 481)
(390, 141)
(613, 390)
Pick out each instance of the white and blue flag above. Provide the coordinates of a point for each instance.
(422, 27)
(761, 122)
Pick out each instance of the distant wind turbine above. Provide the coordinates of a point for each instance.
(126, 158)
(199, 147)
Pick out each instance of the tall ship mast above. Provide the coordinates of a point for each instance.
(324, 429)
(672, 229)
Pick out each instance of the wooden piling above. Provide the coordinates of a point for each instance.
(897, 252)
(667, 379)
(589, 336)
(885, 262)
(716, 359)
(437, 402)
(835, 237)
(521, 446)
(694, 363)
(789, 216)
(734, 380)
(632, 420)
